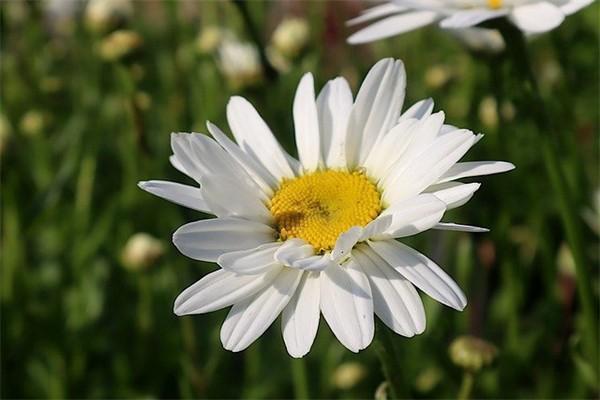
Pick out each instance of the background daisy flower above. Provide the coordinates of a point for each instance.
(400, 16)
(318, 235)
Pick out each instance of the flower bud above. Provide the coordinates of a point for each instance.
(240, 63)
(438, 76)
(119, 44)
(33, 123)
(472, 353)
(104, 15)
(347, 375)
(290, 37)
(141, 251)
(488, 112)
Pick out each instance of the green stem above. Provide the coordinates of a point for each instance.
(517, 50)
(466, 387)
(385, 351)
(300, 380)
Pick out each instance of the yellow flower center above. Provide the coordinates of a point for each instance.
(320, 206)
(494, 3)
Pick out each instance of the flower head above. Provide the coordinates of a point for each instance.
(400, 16)
(318, 234)
(239, 62)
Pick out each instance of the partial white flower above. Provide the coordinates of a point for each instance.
(239, 62)
(318, 235)
(400, 16)
(102, 15)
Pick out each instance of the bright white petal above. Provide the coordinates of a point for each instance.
(395, 300)
(575, 5)
(419, 110)
(376, 109)
(421, 271)
(393, 25)
(334, 104)
(300, 318)
(306, 124)
(537, 17)
(220, 289)
(314, 263)
(249, 319)
(345, 242)
(447, 226)
(427, 168)
(469, 18)
(454, 194)
(347, 305)
(293, 250)
(178, 165)
(263, 178)
(255, 138)
(252, 261)
(413, 215)
(475, 168)
(372, 13)
(376, 227)
(207, 239)
(187, 196)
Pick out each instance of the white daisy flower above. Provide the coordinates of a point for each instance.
(399, 16)
(318, 235)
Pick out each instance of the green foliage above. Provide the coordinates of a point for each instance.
(79, 132)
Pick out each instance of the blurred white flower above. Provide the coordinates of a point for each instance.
(400, 16)
(488, 112)
(317, 235)
(211, 37)
(141, 251)
(102, 15)
(290, 37)
(240, 63)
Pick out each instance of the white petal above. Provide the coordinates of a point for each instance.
(220, 289)
(207, 239)
(347, 305)
(261, 176)
(376, 227)
(300, 318)
(250, 262)
(227, 188)
(255, 138)
(334, 104)
(306, 124)
(178, 165)
(413, 215)
(393, 25)
(314, 263)
(575, 5)
(427, 168)
(395, 300)
(419, 110)
(372, 13)
(187, 196)
(376, 109)
(421, 271)
(468, 18)
(183, 157)
(293, 250)
(454, 194)
(447, 226)
(248, 320)
(537, 17)
(345, 242)
(475, 168)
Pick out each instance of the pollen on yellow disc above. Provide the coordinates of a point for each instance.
(322, 205)
(494, 3)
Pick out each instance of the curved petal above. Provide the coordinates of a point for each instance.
(250, 262)
(475, 168)
(421, 271)
(393, 25)
(184, 195)
(413, 215)
(537, 17)
(306, 124)
(300, 318)
(454, 194)
(334, 104)
(382, 10)
(448, 226)
(469, 18)
(255, 138)
(347, 305)
(207, 239)
(293, 250)
(248, 320)
(376, 109)
(395, 300)
(345, 242)
(575, 5)
(419, 110)
(220, 289)
(314, 263)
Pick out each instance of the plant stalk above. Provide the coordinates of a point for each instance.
(384, 347)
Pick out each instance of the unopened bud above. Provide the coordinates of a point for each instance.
(141, 251)
(119, 44)
(347, 375)
(290, 37)
(472, 353)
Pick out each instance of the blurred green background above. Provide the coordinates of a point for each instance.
(90, 93)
